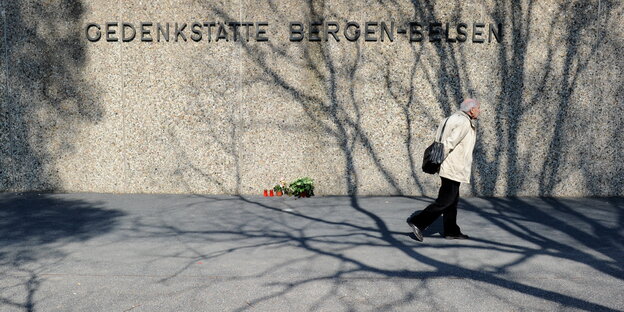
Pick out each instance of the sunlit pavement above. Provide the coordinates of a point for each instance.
(104, 252)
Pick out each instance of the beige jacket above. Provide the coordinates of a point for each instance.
(459, 139)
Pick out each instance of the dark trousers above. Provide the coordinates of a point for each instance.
(445, 204)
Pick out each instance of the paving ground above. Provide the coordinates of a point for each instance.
(103, 252)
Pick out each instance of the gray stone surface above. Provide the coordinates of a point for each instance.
(96, 252)
(236, 117)
(6, 171)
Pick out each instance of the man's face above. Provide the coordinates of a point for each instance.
(475, 111)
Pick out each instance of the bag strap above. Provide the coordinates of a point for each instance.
(442, 132)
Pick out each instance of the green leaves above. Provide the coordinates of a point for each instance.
(302, 187)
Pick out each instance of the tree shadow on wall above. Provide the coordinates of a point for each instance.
(504, 164)
(522, 93)
(33, 230)
(569, 132)
(45, 97)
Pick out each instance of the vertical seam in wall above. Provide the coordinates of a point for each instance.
(5, 99)
(240, 121)
(596, 127)
(124, 150)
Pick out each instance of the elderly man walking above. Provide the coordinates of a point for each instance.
(459, 138)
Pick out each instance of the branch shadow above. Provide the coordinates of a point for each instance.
(45, 95)
(341, 118)
(311, 235)
(33, 230)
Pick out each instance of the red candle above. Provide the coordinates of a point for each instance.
(266, 193)
(271, 193)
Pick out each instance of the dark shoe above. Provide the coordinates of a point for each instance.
(457, 236)
(416, 230)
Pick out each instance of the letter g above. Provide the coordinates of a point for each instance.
(98, 33)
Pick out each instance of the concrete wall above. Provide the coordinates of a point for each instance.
(236, 117)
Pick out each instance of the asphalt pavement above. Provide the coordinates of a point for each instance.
(106, 252)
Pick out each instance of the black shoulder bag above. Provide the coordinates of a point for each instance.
(434, 154)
